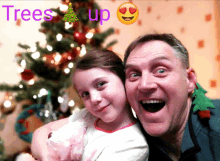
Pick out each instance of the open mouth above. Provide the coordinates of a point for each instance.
(127, 18)
(152, 105)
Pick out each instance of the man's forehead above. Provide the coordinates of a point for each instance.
(147, 49)
(152, 45)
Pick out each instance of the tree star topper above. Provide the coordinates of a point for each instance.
(70, 16)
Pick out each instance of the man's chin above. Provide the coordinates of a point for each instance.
(156, 129)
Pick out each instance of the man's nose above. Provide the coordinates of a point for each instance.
(147, 83)
(95, 97)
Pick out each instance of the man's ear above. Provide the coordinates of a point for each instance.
(191, 78)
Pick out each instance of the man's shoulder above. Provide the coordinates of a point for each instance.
(214, 121)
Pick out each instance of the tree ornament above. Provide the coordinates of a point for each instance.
(43, 30)
(75, 25)
(80, 38)
(18, 57)
(18, 54)
(70, 16)
(73, 53)
(47, 112)
(56, 19)
(27, 74)
(86, 29)
(20, 128)
(201, 102)
(8, 104)
(64, 105)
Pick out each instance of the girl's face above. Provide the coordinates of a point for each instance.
(102, 92)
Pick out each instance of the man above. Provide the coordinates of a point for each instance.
(159, 85)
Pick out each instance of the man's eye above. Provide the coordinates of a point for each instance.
(161, 71)
(100, 84)
(133, 75)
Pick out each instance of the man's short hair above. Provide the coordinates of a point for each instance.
(179, 50)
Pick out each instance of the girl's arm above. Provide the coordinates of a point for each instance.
(38, 146)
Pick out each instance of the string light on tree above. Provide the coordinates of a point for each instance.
(42, 92)
(71, 103)
(35, 55)
(49, 48)
(20, 70)
(60, 99)
(59, 37)
(70, 65)
(68, 25)
(21, 86)
(31, 82)
(23, 63)
(54, 14)
(66, 70)
(72, 45)
(34, 96)
(33, 49)
(90, 34)
(8, 103)
(57, 58)
(83, 51)
(63, 7)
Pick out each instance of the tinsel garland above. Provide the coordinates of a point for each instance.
(21, 130)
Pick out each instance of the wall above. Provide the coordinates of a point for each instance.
(194, 23)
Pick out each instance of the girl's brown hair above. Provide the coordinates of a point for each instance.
(103, 59)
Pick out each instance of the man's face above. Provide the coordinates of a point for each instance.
(157, 88)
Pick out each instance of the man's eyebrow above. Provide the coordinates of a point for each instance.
(153, 60)
(129, 66)
(160, 58)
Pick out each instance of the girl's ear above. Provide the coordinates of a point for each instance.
(191, 79)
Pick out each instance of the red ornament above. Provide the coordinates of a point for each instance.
(27, 75)
(73, 53)
(86, 28)
(56, 19)
(75, 25)
(80, 37)
(67, 57)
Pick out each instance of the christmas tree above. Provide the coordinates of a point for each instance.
(70, 16)
(46, 70)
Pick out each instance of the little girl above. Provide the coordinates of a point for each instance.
(106, 129)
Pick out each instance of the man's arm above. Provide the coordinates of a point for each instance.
(38, 146)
